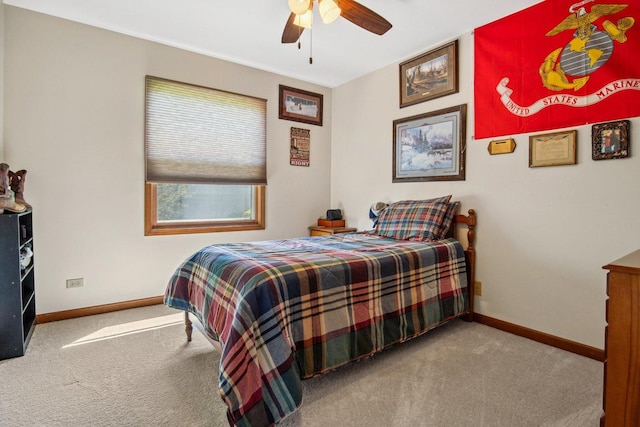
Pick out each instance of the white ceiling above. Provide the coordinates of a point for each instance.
(248, 31)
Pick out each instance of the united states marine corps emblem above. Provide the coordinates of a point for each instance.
(569, 67)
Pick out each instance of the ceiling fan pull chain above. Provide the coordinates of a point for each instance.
(310, 46)
(311, 37)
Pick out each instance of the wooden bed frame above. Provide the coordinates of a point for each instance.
(462, 222)
(468, 222)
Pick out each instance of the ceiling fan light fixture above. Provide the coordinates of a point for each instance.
(329, 11)
(305, 20)
(299, 7)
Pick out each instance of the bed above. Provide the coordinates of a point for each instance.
(281, 311)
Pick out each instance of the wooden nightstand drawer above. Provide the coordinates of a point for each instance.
(317, 230)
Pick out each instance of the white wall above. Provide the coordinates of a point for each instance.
(543, 233)
(74, 118)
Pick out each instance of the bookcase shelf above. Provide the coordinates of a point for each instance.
(17, 283)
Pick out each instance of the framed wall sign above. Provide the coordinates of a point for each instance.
(431, 146)
(610, 140)
(300, 106)
(300, 147)
(552, 149)
(430, 75)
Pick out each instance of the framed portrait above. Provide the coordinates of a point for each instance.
(430, 75)
(552, 149)
(300, 106)
(610, 140)
(431, 146)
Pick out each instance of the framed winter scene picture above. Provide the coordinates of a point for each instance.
(431, 146)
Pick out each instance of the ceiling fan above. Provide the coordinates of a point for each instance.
(301, 17)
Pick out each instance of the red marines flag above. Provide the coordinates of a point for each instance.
(557, 64)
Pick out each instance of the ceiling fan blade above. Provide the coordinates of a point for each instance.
(291, 32)
(363, 17)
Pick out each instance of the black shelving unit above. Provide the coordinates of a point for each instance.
(17, 283)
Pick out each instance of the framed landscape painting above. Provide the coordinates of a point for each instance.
(430, 75)
(431, 146)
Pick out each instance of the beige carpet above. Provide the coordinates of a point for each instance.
(133, 368)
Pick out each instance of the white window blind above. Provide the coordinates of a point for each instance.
(195, 134)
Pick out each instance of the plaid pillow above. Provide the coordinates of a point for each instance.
(447, 221)
(413, 219)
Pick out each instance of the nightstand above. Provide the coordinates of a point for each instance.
(318, 230)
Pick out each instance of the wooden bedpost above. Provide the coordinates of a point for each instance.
(470, 254)
(188, 326)
(471, 261)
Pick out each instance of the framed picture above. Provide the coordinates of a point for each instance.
(610, 140)
(552, 149)
(430, 75)
(300, 106)
(431, 146)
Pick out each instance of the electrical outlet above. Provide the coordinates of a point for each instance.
(75, 283)
(477, 288)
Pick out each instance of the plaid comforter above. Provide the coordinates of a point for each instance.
(286, 310)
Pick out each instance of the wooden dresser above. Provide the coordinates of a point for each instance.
(622, 344)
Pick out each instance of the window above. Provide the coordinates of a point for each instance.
(205, 159)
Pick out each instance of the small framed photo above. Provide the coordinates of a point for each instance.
(300, 106)
(610, 140)
(553, 149)
(431, 146)
(430, 75)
